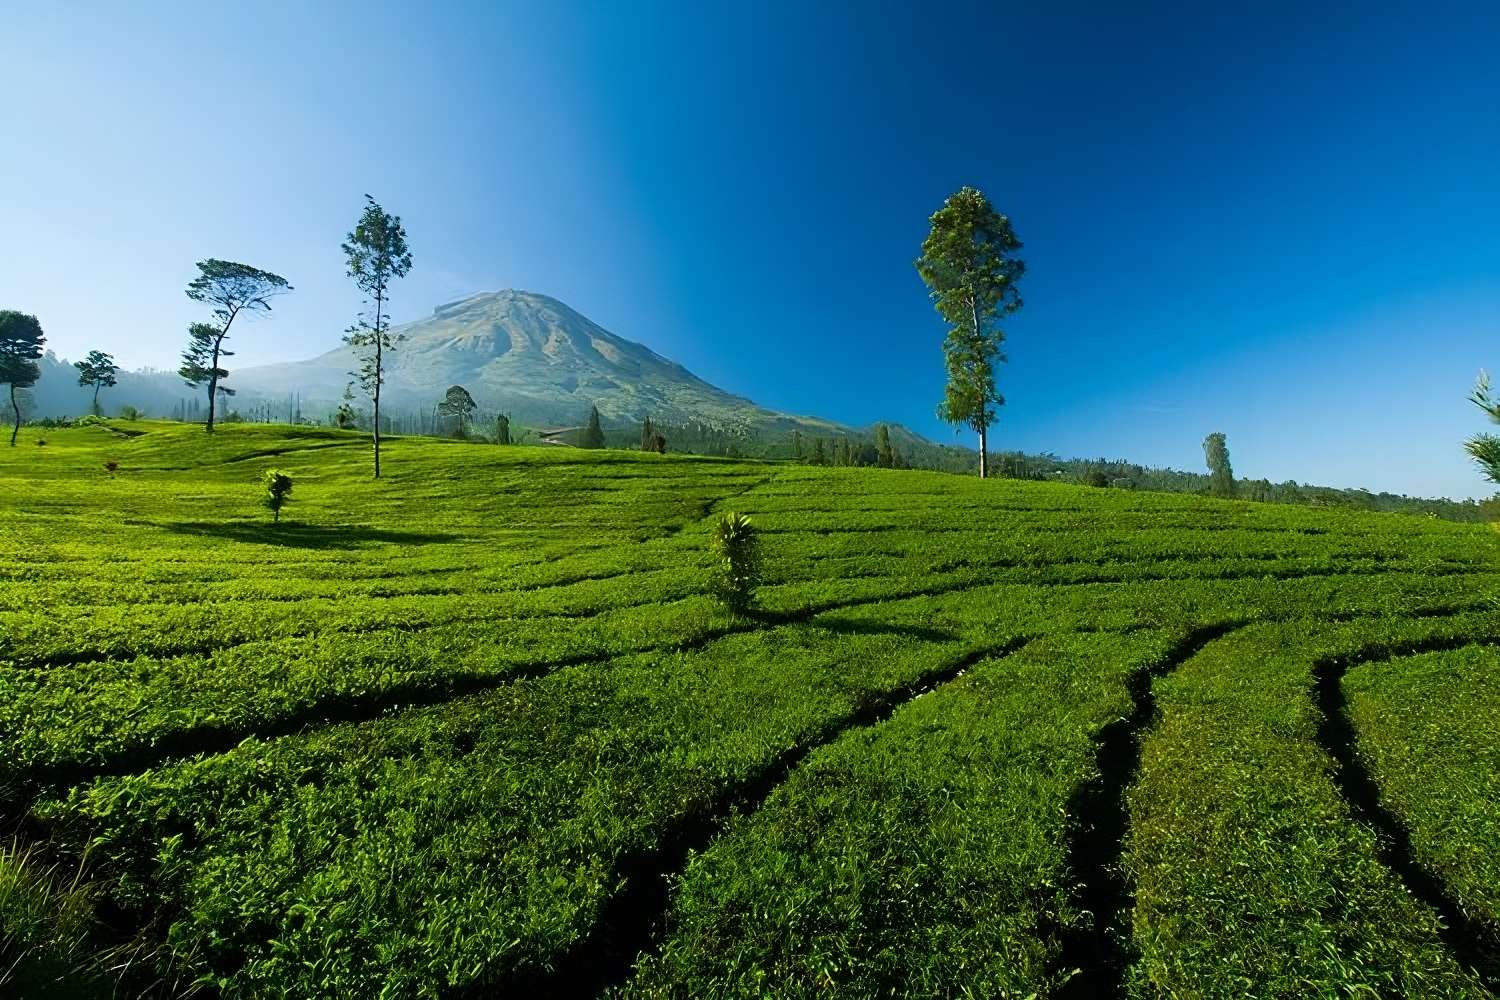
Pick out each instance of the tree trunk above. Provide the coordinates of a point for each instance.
(213, 387)
(378, 373)
(96, 399)
(17, 407)
(983, 428)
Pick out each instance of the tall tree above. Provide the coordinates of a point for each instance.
(969, 262)
(648, 435)
(231, 288)
(502, 429)
(457, 403)
(377, 255)
(98, 370)
(884, 456)
(21, 341)
(1220, 475)
(1485, 448)
(593, 434)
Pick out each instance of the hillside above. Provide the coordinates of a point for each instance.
(525, 353)
(519, 353)
(478, 729)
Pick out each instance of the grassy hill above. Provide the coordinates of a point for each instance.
(477, 729)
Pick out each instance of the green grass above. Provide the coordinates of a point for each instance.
(456, 730)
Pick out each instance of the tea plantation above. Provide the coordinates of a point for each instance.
(481, 729)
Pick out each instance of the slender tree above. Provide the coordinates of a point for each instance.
(346, 416)
(98, 370)
(969, 262)
(231, 289)
(502, 429)
(21, 341)
(377, 255)
(1485, 448)
(884, 456)
(1221, 476)
(593, 434)
(458, 403)
(648, 435)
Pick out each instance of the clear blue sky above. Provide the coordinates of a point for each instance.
(1279, 224)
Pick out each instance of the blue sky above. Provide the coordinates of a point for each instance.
(1278, 224)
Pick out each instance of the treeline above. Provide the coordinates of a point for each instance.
(1121, 474)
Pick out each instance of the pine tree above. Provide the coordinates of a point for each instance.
(648, 435)
(21, 341)
(884, 456)
(98, 370)
(593, 434)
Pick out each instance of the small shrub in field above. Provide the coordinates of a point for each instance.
(278, 487)
(738, 549)
(129, 413)
(111, 467)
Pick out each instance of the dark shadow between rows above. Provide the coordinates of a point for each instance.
(294, 534)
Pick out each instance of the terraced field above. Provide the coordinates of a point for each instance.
(477, 730)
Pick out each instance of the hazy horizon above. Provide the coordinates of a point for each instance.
(1282, 231)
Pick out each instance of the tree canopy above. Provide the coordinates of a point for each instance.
(458, 403)
(231, 288)
(1485, 448)
(1221, 476)
(97, 369)
(593, 433)
(970, 265)
(21, 341)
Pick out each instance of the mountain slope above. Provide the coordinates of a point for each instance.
(532, 356)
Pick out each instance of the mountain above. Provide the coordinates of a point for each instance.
(516, 352)
(529, 355)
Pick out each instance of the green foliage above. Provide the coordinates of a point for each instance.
(593, 433)
(1093, 475)
(1427, 726)
(278, 488)
(21, 341)
(459, 404)
(1484, 449)
(969, 262)
(46, 919)
(376, 254)
(98, 370)
(422, 749)
(1251, 876)
(502, 429)
(736, 546)
(231, 289)
(885, 455)
(128, 412)
(1221, 476)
